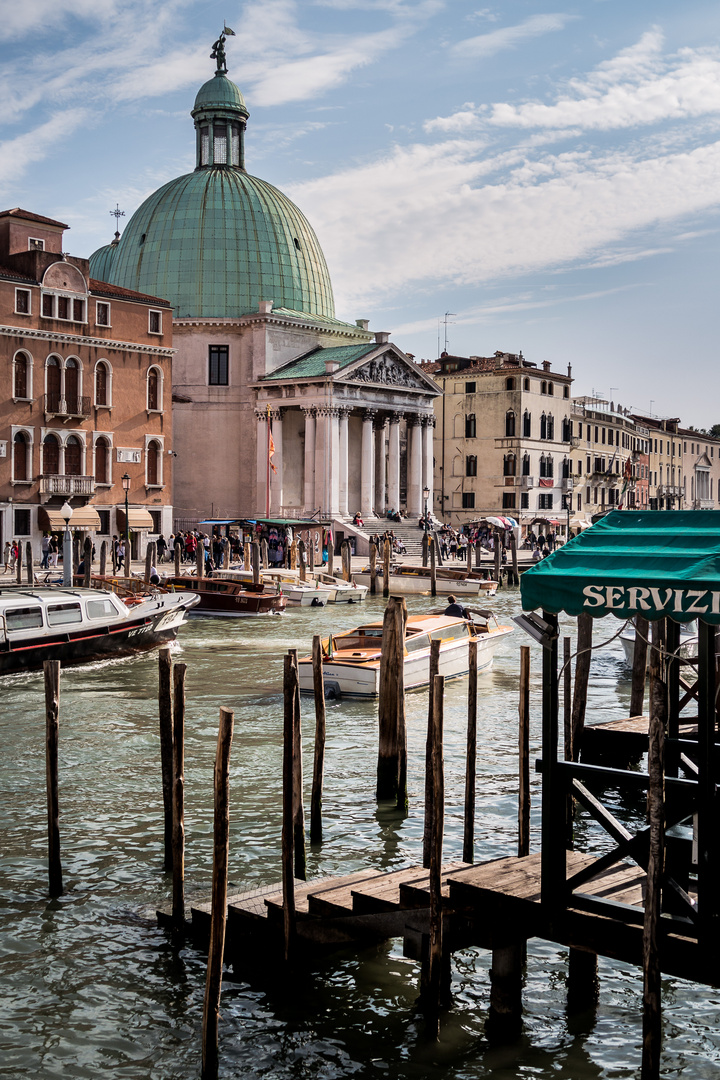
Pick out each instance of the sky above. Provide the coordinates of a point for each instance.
(529, 176)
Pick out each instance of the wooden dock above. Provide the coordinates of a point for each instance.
(623, 740)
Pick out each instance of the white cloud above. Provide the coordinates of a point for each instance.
(18, 153)
(509, 37)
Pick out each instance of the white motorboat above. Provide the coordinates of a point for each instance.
(688, 642)
(351, 661)
(340, 592)
(415, 581)
(296, 592)
(77, 625)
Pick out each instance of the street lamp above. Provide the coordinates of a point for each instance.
(126, 488)
(426, 496)
(66, 512)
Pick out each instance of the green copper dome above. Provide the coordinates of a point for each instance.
(218, 241)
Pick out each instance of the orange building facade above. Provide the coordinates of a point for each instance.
(87, 372)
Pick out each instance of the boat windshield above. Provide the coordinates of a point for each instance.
(454, 632)
(23, 618)
(415, 642)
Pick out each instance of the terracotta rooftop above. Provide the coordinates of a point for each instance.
(101, 288)
(27, 215)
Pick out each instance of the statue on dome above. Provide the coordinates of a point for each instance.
(218, 50)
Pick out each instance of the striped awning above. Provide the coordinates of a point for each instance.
(138, 518)
(83, 517)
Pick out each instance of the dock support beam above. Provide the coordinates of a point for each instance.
(505, 1016)
(582, 981)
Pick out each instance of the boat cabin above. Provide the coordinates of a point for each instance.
(24, 612)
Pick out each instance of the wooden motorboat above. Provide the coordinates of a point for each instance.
(351, 660)
(77, 625)
(233, 599)
(415, 580)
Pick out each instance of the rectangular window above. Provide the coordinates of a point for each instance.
(102, 314)
(63, 307)
(48, 305)
(35, 245)
(62, 614)
(524, 501)
(156, 515)
(220, 146)
(101, 609)
(468, 500)
(23, 618)
(218, 368)
(579, 430)
(508, 500)
(104, 516)
(155, 322)
(22, 301)
(78, 310)
(22, 522)
(470, 426)
(235, 145)
(470, 387)
(545, 502)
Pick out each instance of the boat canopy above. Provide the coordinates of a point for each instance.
(655, 563)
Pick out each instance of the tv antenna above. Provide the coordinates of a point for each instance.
(448, 315)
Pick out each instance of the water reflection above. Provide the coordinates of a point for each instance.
(90, 985)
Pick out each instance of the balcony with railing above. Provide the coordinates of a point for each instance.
(67, 486)
(67, 406)
(669, 491)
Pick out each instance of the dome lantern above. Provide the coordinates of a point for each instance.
(220, 116)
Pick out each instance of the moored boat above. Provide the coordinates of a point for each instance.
(230, 599)
(351, 660)
(296, 592)
(77, 625)
(415, 580)
(688, 643)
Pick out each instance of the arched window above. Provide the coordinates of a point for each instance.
(509, 423)
(546, 466)
(565, 468)
(527, 425)
(471, 465)
(153, 464)
(526, 465)
(52, 384)
(102, 462)
(51, 456)
(21, 386)
(72, 387)
(543, 426)
(543, 387)
(509, 465)
(73, 456)
(102, 384)
(550, 426)
(526, 384)
(470, 426)
(551, 388)
(21, 456)
(566, 391)
(509, 384)
(153, 390)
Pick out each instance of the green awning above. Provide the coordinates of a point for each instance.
(656, 563)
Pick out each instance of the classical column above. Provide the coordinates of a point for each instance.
(428, 428)
(309, 497)
(261, 458)
(334, 463)
(380, 488)
(327, 454)
(343, 479)
(276, 478)
(367, 464)
(393, 497)
(414, 466)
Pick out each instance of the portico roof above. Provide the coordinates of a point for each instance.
(312, 364)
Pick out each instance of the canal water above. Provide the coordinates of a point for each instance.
(90, 987)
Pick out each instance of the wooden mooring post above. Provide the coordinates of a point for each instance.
(319, 756)
(346, 561)
(87, 562)
(298, 809)
(265, 554)
(149, 563)
(433, 566)
(29, 563)
(427, 825)
(288, 875)
(218, 911)
(177, 559)
(567, 699)
(373, 568)
(19, 564)
(386, 569)
(103, 558)
(178, 807)
(200, 557)
(524, 753)
(471, 752)
(166, 748)
(51, 671)
(434, 984)
(582, 678)
(256, 562)
(513, 555)
(246, 555)
(331, 555)
(639, 670)
(391, 707)
(301, 559)
(497, 554)
(425, 548)
(293, 555)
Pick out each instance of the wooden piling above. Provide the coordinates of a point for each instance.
(469, 558)
(76, 555)
(114, 558)
(319, 757)
(497, 554)
(346, 564)
(639, 670)
(166, 748)
(200, 557)
(265, 554)
(218, 911)
(29, 563)
(87, 562)
(226, 553)
(435, 958)
(582, 678)
(524, 754)
(391, 707)
(427, 824)
(178, 806)
(103, 558)
(386, 569)
(425, 548)
(301, 559)
(19, 564)
(567, 699)
(652, 1000)
(373, 569)
(505, 1016)
(513, 555)
(51, 670)
(298, 809)
(177, 559)
(288, 876)
(246, 555)
(331, 555)
(310, 552)
(256, 562)
(582, 981)
(471, 754)
(148, 563)
(293, 555)
(433, 567)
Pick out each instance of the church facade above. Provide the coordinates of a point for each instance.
(278, 406)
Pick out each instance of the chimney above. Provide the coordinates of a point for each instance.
(265, 307)
(546, 365)
(382, 337)
(330, 366)
(362, 323)
(569, 371)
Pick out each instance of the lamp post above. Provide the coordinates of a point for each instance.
(426, 496)
(126, 488)
(66, 512)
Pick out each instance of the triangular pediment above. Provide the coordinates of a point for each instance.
(388, 367)
(703, 462)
